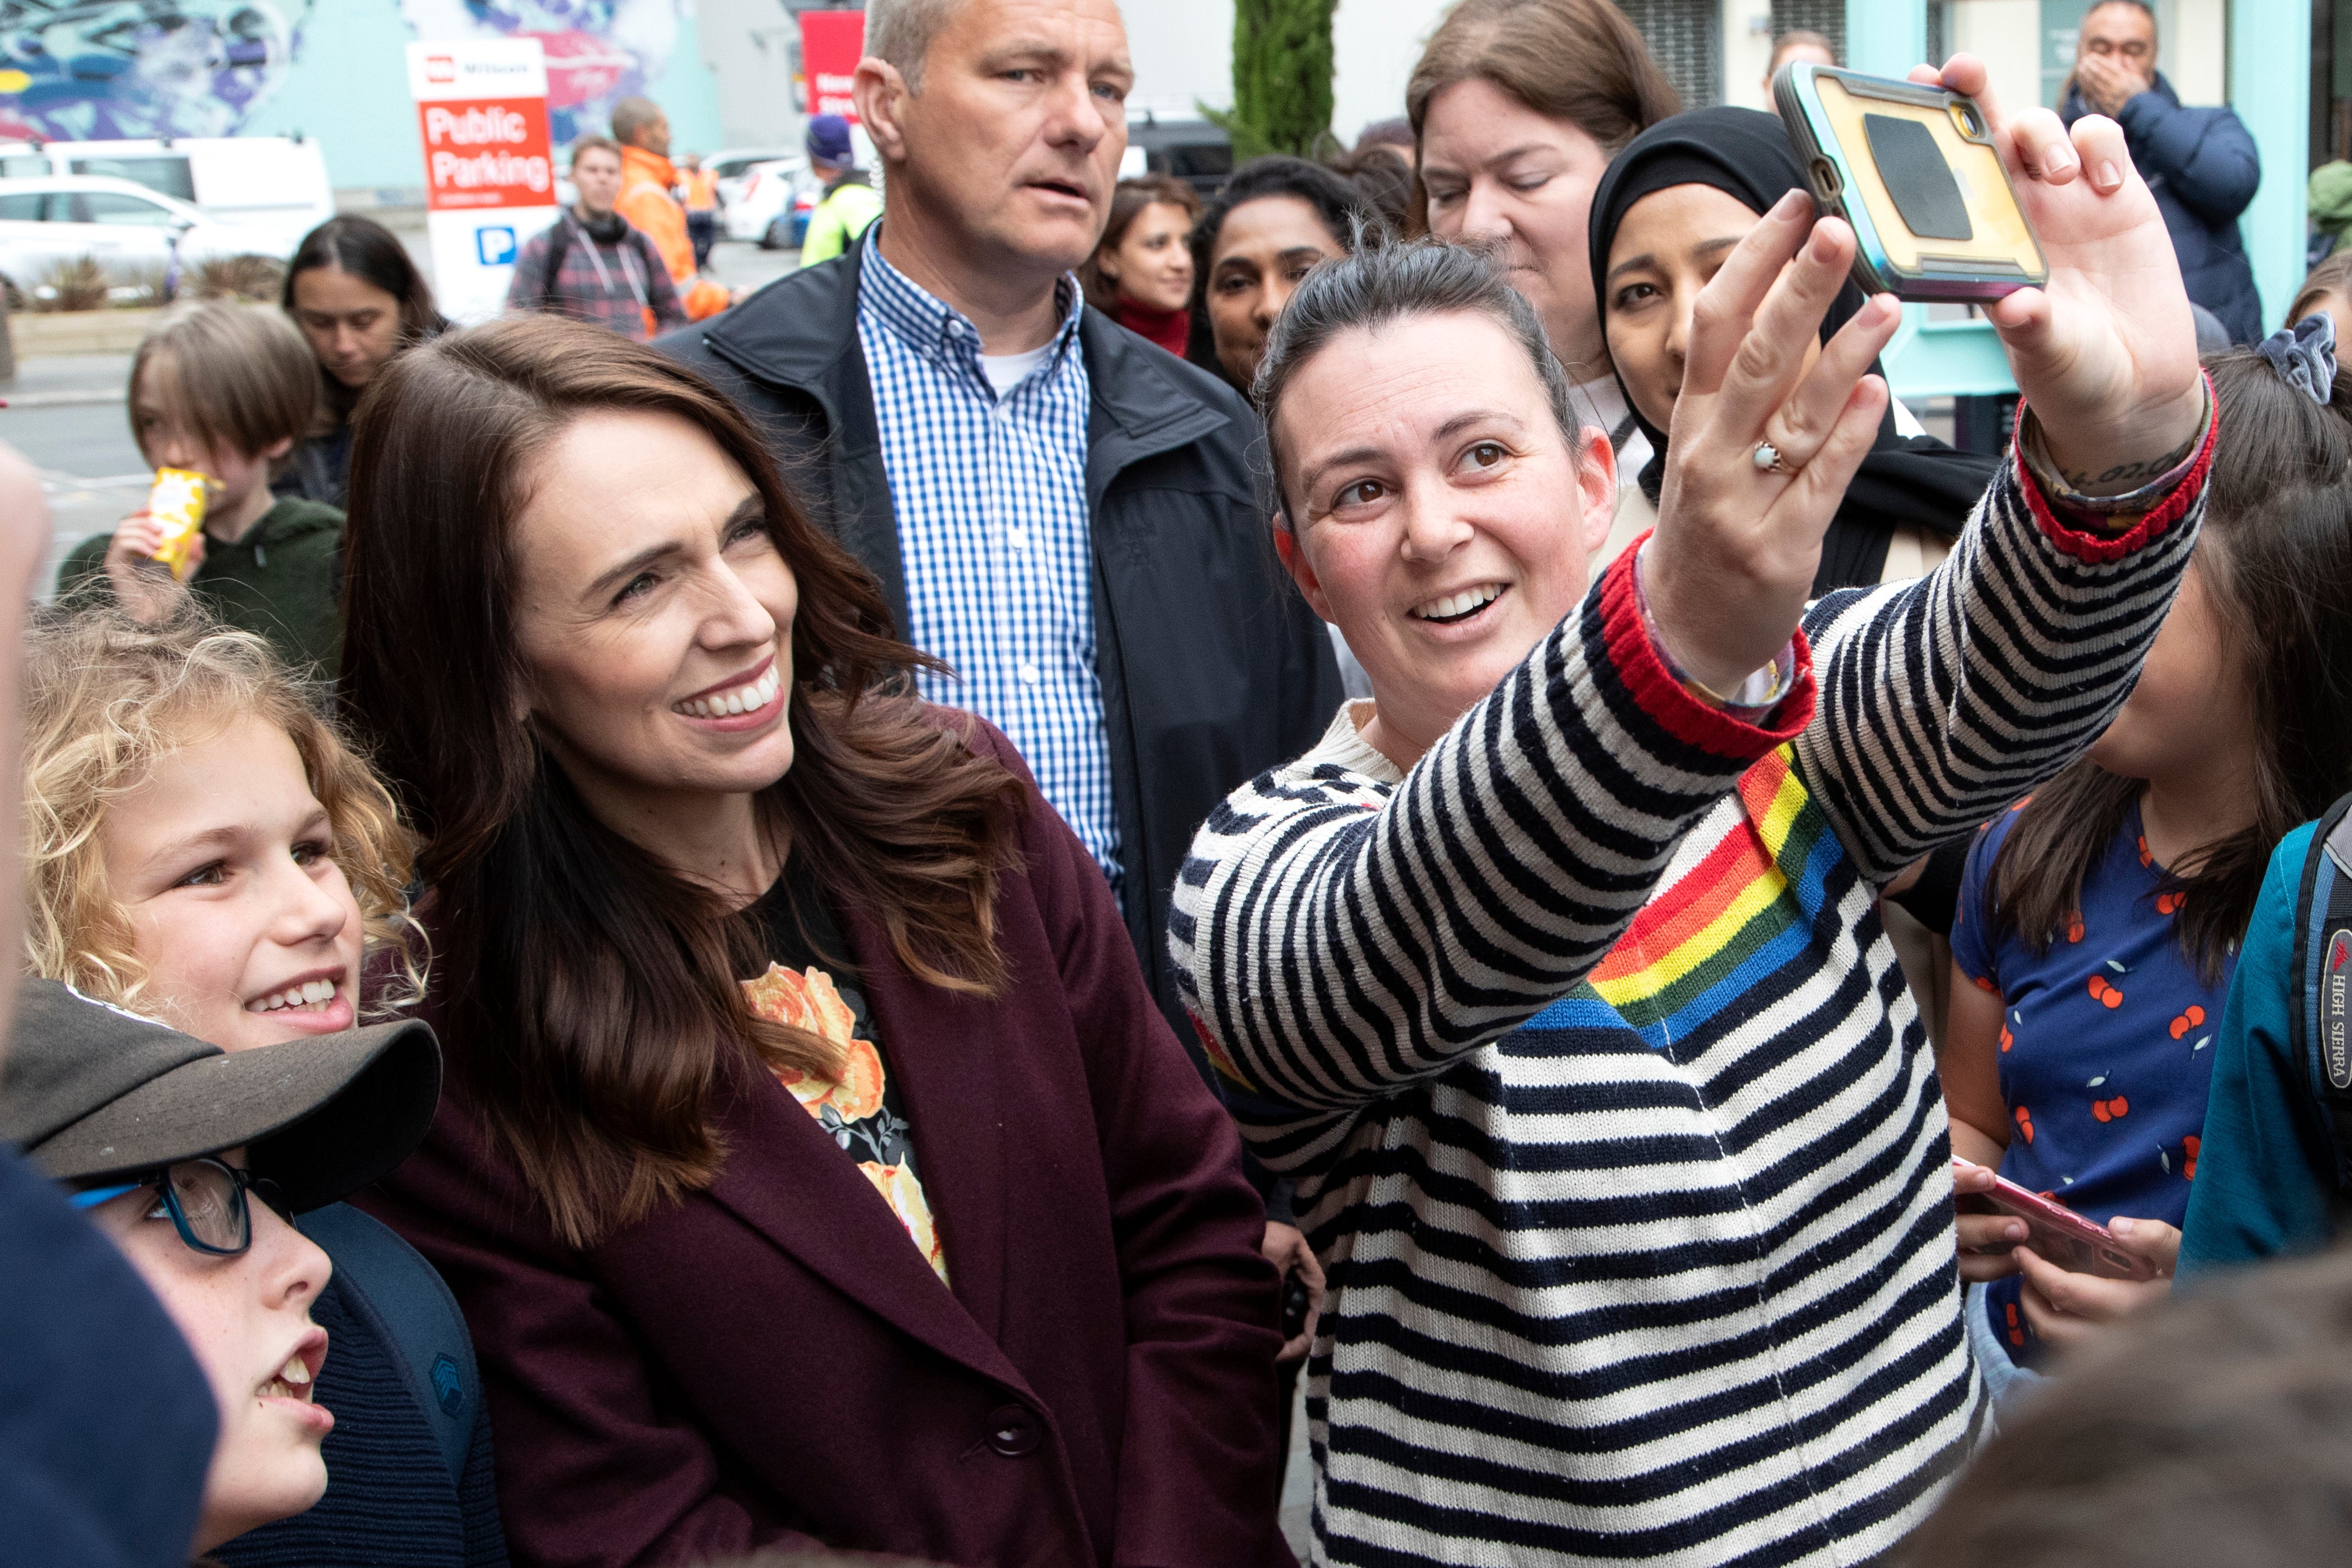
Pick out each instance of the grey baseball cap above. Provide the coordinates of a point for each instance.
(89, 1090)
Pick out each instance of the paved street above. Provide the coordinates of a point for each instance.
(66, 414)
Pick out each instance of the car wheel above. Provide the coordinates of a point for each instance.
(773, 237)
(16, 301)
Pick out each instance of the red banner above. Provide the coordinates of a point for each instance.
(487, 152)
(832, 43)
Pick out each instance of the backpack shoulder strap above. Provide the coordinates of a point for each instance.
(2320, 1022)
(558, 245)
(423, 1328)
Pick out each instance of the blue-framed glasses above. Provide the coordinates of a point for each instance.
(207, 1201)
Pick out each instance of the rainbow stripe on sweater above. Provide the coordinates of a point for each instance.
(1744, 910)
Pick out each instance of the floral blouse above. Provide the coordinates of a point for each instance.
(862, 1109)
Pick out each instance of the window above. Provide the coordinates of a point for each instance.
(115, 207)
(1686, 37)
(23, 207)
(169, 176)
(24, 166)
(1826, 17)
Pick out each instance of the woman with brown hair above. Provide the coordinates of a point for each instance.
(360, 300)
(816, 1167)
(1140, 274)
(1516, 107)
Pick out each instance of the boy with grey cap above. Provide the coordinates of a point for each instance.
(91, 1091)
(166, 1142)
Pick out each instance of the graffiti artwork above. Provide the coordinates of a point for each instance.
(598, 51)
(99, 69)
(93, 70)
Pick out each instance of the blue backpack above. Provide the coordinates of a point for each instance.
(2320, 1025)
(418, 1318)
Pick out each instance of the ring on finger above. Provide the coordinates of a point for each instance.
(1768, 460)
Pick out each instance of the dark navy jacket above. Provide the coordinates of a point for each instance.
(2203, 167)
(1212, 667)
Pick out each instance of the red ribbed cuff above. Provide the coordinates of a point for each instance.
(2105, 549)
(1637, 663)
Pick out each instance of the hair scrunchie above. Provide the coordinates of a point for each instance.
(2305, 354)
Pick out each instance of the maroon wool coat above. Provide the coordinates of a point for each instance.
(773, 1361)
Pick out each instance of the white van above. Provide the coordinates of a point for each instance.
(276, 183)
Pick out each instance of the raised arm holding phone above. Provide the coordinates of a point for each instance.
(1554, 973)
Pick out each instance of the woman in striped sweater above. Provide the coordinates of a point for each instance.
(1555, 974)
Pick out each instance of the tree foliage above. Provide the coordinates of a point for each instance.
(1282, 78)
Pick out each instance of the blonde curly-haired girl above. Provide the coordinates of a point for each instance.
(200, 843)
(203, 848)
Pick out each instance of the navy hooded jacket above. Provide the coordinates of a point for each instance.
(2203, 167)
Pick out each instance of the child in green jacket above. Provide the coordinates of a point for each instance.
(227, 389)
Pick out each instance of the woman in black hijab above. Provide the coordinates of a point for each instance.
(1701, 181)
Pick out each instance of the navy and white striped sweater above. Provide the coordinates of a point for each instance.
(1612, 1118)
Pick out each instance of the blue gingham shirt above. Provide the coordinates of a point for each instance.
(991, 496)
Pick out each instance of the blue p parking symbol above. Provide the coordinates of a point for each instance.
(494, 245)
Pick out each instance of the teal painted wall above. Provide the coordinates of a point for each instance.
(2270, 87)
(348, 88)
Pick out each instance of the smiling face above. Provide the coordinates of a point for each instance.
(247, 1319)
(654, 616)
(1496, 171)
(1012, 148)
(221, 860)
(1151, 264)
(1667, 247)
(1442, 520)
(354, 326)
(1264, 249)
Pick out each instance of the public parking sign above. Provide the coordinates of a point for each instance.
(489, 174)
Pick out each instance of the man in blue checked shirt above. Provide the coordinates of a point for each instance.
(1062, 512)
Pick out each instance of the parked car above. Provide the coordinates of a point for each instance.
(131, 230)
(273, 182)
(772, 206)
(1195, 151)
(733, 167)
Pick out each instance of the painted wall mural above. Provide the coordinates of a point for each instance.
(87, 69)
(598, 51)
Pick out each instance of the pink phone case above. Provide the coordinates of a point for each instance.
(2058, 1232)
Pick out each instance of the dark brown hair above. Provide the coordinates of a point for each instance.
(593, 144)
(2274, 560)
(1577, 60)
(371, 253)
(2215, 1429)
(1127, 200)
(589, 994)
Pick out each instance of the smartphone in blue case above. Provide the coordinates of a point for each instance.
(1914, 169)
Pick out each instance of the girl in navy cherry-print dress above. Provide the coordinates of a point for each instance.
(2099, 919)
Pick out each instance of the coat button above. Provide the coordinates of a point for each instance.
(1014, 1430)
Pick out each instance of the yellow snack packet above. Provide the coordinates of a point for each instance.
(177, 502)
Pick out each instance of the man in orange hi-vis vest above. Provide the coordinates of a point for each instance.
(647, 177)
(699, 186)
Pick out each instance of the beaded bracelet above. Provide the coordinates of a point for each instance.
(1747, 702)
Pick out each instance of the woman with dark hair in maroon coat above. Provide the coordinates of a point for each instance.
(816, 1167)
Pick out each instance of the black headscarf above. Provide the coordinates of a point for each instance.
(1745, 153)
